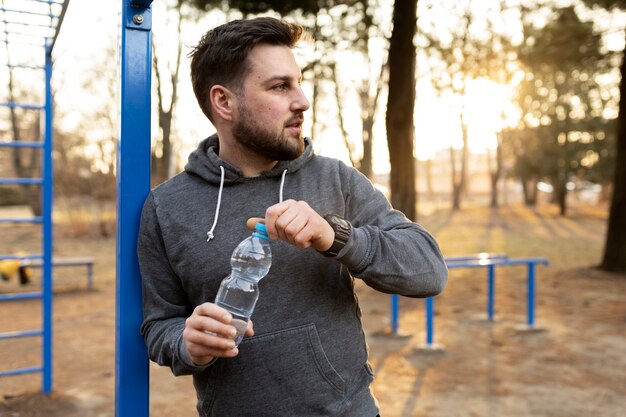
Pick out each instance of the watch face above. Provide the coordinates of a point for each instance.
(341, 222)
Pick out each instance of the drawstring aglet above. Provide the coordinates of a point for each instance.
(209, 236)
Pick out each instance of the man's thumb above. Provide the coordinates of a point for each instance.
(252, 221)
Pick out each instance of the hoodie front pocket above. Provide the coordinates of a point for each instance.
(284, 373)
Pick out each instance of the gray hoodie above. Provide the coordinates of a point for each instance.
(308, 356)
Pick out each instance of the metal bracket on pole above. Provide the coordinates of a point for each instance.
(139, 15)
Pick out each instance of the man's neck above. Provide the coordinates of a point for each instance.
(248, 162)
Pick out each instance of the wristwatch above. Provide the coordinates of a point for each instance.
(342, 229)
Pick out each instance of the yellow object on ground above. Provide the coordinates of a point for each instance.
(9, 267)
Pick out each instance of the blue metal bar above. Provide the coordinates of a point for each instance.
(395, 313)
(9, 10)
(28, 34)
(15, 144)
(530, 304)
(508, 262)
(49, 2)
(133, 185)
(21, 371)
(491, 288)
(23, 333)
(29, 220)
(21, 181)
(35, 67)
(430, 328)
(28, 24)
(476, 257)
(21, 296)
(18, 42)
(47, 190)
(22, 106)
(50, 46)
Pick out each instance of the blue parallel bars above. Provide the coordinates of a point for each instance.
(477, 261)
(133, 185)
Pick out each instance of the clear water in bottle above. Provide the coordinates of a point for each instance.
(238, 293)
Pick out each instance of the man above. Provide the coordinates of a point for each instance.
(307, 354)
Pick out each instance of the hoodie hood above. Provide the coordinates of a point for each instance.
(205, 163)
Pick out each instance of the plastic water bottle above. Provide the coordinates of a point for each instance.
(239, 292)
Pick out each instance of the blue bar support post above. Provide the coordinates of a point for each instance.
(531, 296)
(47, 204)
(395, 312)
(491, 287)
(430, 308)
(133, 185)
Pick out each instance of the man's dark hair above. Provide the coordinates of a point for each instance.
(221, 55)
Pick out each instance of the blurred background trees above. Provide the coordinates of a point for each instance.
(461, 102)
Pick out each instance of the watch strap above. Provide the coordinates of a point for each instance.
(342, 229)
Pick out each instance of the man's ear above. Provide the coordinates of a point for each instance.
(222, 100)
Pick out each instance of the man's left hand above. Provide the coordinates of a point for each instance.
(297, 223)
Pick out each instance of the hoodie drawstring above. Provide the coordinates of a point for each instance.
(282, 185)
(209, 234)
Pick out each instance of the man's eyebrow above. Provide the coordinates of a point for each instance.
(284, 78)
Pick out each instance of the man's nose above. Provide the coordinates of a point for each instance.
(300, 102)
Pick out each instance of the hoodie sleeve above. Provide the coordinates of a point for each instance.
(386, 250)
(165, 302)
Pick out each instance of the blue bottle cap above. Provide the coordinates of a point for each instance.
(260, 231)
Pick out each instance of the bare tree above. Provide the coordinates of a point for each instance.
(163, 161)
(25, 125)
(400, 107)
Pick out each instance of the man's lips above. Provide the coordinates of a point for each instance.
(294, 123)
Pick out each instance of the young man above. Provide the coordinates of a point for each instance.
(307, 354)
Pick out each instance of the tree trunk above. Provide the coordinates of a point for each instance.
(342, 125)
(463, 182)
(561, 198)
(614, 258)
(163, 164)
(529, 187)
(400, 107)
(30, 194)
(496, 173)
(428, 171)
(365, 165)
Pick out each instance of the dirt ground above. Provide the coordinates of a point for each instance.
(573, 364)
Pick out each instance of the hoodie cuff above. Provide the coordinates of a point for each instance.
(355, 255)
(186, 359)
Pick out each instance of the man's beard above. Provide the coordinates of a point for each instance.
(270, 145)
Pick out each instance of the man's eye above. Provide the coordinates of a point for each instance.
(281, 87)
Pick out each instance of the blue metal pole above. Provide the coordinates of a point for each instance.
(531, 295)
(133, 185)
(491, 288)
(395, 312)
(47, 232)
(430, 307)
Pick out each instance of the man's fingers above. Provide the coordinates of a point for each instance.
(207, 340)
(249, 329)
(213, 311)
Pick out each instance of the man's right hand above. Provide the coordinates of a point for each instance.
(208, 334)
